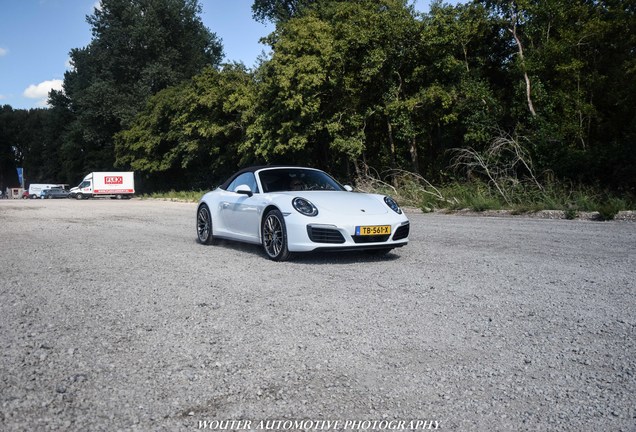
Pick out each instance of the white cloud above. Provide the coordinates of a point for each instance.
(3, 51)
(2, 96)
(41, 91)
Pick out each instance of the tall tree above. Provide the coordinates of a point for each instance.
(453, 101)
(332, 69)
(27, 140)
(514, 16)
(189, 135)
(290, 116)
(8, 137)
(139, 47)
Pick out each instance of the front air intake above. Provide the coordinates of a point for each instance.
(324, 235)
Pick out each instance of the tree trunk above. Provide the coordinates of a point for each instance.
(356, 167)
(513, 30)
(414, 157)
(392, 148)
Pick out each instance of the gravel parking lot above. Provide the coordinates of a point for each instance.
(112, 317)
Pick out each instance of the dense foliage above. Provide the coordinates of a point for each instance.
(349, 85)
(190, 133)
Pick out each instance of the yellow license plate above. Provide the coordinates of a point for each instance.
(373, 230)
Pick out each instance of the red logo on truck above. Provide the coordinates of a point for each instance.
(113, 180)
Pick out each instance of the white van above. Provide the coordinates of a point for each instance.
(35, 189)
(105, 184)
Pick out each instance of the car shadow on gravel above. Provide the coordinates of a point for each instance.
(342, 257)
(312, 258)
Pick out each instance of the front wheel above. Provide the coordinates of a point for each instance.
(79, 196)
(274, 235)
(204, 226)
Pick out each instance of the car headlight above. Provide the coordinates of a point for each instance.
(391, 203)
(304, 207)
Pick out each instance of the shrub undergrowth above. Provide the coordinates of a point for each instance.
(477, 195)
(188, 196)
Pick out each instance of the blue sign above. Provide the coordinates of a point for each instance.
(20, 173)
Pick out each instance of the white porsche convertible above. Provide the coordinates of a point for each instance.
(294, 209)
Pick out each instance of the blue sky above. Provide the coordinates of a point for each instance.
(36, 37)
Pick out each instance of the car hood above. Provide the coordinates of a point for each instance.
(345, 203)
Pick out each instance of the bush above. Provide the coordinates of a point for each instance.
(609, 209)
(188, 196)
(520, 196)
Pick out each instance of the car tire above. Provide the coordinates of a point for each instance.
(204, 226)
(274, 236)
(79, 196)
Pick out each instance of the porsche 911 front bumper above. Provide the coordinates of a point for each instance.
(305, 237)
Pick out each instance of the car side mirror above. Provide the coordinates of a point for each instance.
(348, 188)
(244, 190)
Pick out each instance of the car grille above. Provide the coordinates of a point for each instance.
(370, 238)
(324, 235)
(401, 233)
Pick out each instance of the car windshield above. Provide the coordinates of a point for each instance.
(296, 179)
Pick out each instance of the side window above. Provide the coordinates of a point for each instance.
(244, 179)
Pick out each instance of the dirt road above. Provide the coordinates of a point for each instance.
(112, 317)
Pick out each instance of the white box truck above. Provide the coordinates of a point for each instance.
(105, 184)
(35, 189)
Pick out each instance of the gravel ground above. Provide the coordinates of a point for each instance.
(112, 317)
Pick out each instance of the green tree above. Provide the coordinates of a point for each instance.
(454, 102)
(579, 57)
(28, 140)
(8, 150)
(292, 85)
(190, 134)
(278, 10)
(329, 80)
(585, 57)
(139, 47)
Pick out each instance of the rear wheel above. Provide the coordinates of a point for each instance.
(204, 226)
(274, 235)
